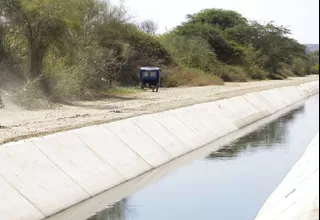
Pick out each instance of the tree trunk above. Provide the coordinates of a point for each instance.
(1, 103)
(36, 55)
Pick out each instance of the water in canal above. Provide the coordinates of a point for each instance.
(231, 184)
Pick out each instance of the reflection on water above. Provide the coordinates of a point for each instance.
(230, 184)
(267, 136)
(119, 211)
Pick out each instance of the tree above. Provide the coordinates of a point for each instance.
(273, 43)
(193, 52)
(41, 23)
(312, 65)
(149, 27)
(2, 51)
(226, 50)
(219, 18)
(314, 57)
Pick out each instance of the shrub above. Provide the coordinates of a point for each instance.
(181, 76)
(277, 76)
(232, 73)
(298, 67)
(192, 52)
(170, 81)
(66, 81)
(256, 72)
(286, 70)
(315, 69)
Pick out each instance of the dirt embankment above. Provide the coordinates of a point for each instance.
(17, 123)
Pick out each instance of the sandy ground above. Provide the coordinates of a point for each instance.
(17, 123)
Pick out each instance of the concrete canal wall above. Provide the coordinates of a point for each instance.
(297, 197)
(42, 176)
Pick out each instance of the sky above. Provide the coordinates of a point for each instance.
(301, 16)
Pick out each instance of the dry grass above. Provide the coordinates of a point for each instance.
(232, 73)
(29, 95)
(120, 91)
(188, 77)
(288, 72)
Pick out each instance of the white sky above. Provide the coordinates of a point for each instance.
(301, 16)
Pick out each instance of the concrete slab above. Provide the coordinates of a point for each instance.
(296, 198)
(140, 142)
(248, 120)
(294, 92)
(270, 99)
(271, 105)
(291, 94)
(194, 124)
(38, 179)
(282, 96)
(303, 90)
(210, 115)
(246, 113)
(113, 151)
(83, 165)
(243, 106)
(14, 206)
(227, 109)
(179, 129)
(238, 110)
(256, 100)
(278, 97)
(161, 135)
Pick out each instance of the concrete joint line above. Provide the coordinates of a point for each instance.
(129, 147)
(12, 185)
(73, 180)
(172, 157)
(95, 153)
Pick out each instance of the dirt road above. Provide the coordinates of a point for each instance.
(17, 123)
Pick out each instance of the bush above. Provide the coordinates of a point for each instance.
(277, 76)
(298, 67)
(256, 72)
(192, 52)
(286, 70)
(146, 46)
(315, 69)
(170, 81)
(30, 95)
(232, 73)
(181, 76)
(65, 81)
(253, 62)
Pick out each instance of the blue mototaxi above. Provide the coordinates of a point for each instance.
(150, 78)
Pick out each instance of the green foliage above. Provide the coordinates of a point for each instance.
(219, 18)
(169, 81)
(2, 49)
(315, 69)
(233, 73)
(226, 51)
(314, 57)
(254, 61)
(259, 49)
(299, 67)
(277, 76)
(178, 76)
(70, 47)
(193, 52)
(65, 80)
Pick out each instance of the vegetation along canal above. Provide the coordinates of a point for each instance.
(232, 183)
